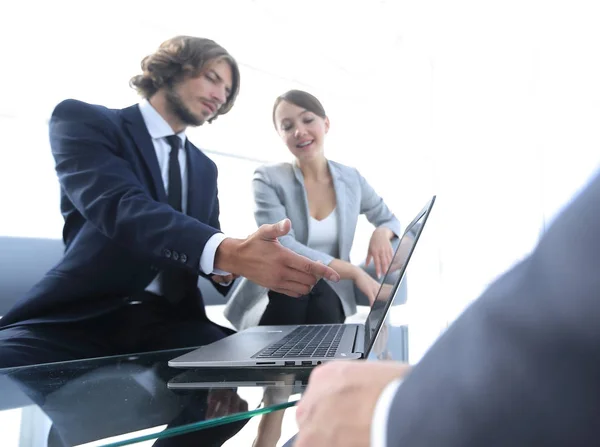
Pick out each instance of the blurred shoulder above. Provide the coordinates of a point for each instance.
(348, 173)
(275, 171)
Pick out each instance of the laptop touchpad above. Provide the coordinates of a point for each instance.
(245, 343)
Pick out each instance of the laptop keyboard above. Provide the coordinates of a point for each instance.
(305, 341)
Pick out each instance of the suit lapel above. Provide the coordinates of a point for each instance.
(196, 201)
(300, 179)
(143, 143)
(341, 197)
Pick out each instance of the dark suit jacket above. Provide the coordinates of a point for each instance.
(521, 366)
(119, 229)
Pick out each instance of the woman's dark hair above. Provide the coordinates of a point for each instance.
(301, 99)
(178, 58)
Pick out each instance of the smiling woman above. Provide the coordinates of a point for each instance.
(323, 199)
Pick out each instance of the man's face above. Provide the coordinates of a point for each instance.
(196, 100)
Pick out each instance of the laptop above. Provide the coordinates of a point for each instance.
(311, 345)
(239, 377)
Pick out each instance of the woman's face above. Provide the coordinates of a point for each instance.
(302, 131)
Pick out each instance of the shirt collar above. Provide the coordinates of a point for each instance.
(156, 124)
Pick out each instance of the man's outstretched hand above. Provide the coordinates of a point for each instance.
(263, 260)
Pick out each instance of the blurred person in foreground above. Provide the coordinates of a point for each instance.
(520, 367)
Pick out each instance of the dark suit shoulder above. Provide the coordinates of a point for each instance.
(75, 110)
(74, 106)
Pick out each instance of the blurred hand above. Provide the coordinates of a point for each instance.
(223, 279)
(224, 402)
(262, 259)
(337, 407)
(380, 250)
(385, 292)
(406, 243)
(367, 285)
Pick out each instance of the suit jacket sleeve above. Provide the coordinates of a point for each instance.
(521, 366)
(214, 218)
(214, 223)
(269, 210)
(100, 183)
(375, 209)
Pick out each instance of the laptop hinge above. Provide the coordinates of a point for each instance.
(359, 340)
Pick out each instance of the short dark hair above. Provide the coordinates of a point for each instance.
(178, 58)
(301, 99)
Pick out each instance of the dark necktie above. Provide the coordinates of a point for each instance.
(175, 193)
(174, 279)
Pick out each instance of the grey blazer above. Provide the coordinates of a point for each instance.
(521, 366)
(279, 192)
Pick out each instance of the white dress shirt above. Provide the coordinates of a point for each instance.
(159, 129)
(381, 414)
(323, 234)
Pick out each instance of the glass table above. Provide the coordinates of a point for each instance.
(138, 399)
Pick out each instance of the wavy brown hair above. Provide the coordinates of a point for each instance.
(179, 58)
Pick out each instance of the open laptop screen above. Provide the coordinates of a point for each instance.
(393, 276)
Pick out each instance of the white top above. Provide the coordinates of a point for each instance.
(323, 234)
(159, 129)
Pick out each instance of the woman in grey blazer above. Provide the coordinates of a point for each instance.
(323, 200)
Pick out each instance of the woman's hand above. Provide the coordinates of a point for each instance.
(380, 250)
(367, 285)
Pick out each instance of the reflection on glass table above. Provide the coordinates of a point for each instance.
(281, 388)
(126, 399)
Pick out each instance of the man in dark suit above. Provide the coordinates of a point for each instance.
(142, 222)
(520, 367)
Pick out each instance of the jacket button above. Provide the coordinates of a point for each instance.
(183, 258)
(167, 253)
(175, 256)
